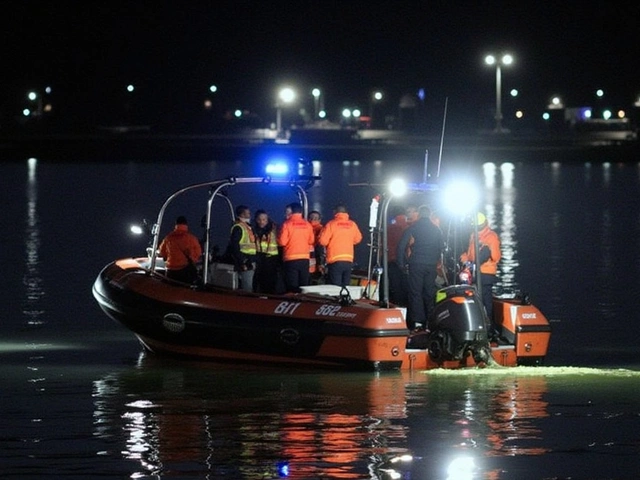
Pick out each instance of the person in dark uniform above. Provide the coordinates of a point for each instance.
(426, 245)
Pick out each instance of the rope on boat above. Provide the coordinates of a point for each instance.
(344, 297)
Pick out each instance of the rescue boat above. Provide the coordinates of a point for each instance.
(353, 327)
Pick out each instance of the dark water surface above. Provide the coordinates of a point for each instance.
(79, 400)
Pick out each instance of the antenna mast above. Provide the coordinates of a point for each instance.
(444, 121)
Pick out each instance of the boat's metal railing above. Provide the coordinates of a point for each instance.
(300, 183)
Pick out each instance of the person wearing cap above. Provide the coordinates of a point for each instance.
(181, 250)
(426, 244)
(488, 258)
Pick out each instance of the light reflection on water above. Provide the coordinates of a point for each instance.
(215, 421)
(34, 288)
(499, 207)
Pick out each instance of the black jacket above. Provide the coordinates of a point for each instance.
(427, 243)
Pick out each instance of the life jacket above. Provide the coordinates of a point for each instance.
(267, 243)
(248, 239)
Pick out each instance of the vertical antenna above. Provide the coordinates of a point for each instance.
(444, 121)
(425, 175)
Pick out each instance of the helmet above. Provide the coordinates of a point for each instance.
(481, 219)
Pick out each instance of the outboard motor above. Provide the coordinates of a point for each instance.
(458, 326)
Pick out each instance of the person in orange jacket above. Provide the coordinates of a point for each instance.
(398, 280)
(339, 236)
(316, 259)
(490, 255)
(296, 239)
(181, 250)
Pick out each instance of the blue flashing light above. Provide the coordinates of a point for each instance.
(277, 168)
(283, 469)
(423, 187)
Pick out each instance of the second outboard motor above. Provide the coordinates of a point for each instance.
(458, 326)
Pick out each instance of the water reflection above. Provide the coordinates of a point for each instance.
(32, 280)
(499, 207)
(214, 421)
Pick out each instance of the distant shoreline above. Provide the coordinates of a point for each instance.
(148, 146)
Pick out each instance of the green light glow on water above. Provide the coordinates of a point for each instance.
(10, 347)
(533, 371)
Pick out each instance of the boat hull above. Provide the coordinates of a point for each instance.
(306, 330)
(230, 325)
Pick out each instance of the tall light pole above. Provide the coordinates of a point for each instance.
(505, 59)
(316, 102)
(285, 96)
(375, 97)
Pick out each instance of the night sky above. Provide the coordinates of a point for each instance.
(172, 51)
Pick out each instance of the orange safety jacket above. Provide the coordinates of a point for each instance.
(296, 238)
(177, 245)
(340, 235)
(314, 261)
(489, 238)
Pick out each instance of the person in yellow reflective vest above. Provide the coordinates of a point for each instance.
(268, 263)
(242, 247)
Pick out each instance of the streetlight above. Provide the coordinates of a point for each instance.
(375, 97)
(316, 102)
(208, 103)
(505, 59)
(285, 96)
(37, 98)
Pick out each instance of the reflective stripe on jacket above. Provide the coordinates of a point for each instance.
(340, 235)
(268, 244)
(296, 238)
(247, 242)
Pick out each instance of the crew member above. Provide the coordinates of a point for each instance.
(181, 250)
(427, 246)
(317, 256)
(242, 247)
(398, 284)
(296, 239)
(339, 236)
(490, 255)
(267, 257)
